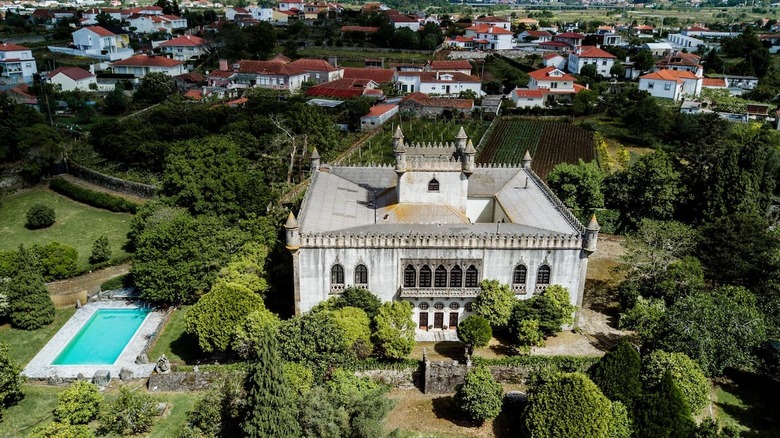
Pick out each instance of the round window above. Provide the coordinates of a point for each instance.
(470, 306)
(423, 306)
(454, 306)
(438, 306)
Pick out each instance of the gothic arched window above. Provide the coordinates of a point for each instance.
(433, 185)
(543, 276)
(337, 274)
(425, 276)
(472, 276)
(410, 276)
(520, 274)
(440, 277)
(361, 275)
(456, 276)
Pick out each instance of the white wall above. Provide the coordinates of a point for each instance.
(68, 84)
(453, 188)
(659, 88)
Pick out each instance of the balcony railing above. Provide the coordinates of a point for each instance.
(458, 292)
(519, 289)
(336, 289)
(541, 288)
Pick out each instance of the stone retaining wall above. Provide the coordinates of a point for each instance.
(190, 381)
(111, 182)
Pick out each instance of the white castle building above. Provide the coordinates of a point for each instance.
(429, 229)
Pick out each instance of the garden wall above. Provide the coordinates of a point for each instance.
(112, 183)
(190, 380)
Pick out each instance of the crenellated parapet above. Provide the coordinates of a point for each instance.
(456, 241)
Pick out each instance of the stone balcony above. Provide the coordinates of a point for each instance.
(444, 292)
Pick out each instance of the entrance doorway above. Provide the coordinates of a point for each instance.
(453, 320)
(438, 320)
(424, 320)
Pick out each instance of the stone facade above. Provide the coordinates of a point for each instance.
(430, 228)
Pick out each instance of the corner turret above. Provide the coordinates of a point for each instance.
(399, 152)
(315, 162)
(527, 160)
(398, 138)
(461, 138)
(591, 237)
(293, 238)
(468, 158)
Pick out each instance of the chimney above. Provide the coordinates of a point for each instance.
(223, 65)
(334, 61)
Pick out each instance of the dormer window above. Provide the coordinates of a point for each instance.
(433, 185)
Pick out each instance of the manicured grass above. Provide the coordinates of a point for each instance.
(748, 401)
(77, 225)
(180, 403)
(23, 345)
(33, 410)
(178, 346)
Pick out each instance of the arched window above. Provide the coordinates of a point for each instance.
(456, 276)
(425, 276)
(433, 185)
(438, 306)
(454, 306)
(543, 276)
(361, 275)
(440, 277)
(520, 274)
(337, 274)
(423, 306)
(470, 306)
(472, 276)
(410, 276)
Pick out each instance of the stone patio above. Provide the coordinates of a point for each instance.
(40, 366)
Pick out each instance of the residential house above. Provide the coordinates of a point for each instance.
(284, 16)
(141, 65)
(319, 71)
(757, 111)
(591, 55)
(545, 85)
(658, 50)
(275, 75)
(400, 21)
(89, 17)
(20, 93)
(189, 81)
(101, 43)
(486, 37)
(72, 78)
(537, 36)
(378, 75)
(610, 39)
(231, 13)
(681, 41)
(291, 5)
(346, 88)
(451, 66)
(460, 42)
(184, 48)
(714, 83)
(494, 22)
(527, 98)
(555, 46)
(429, 82)
(378, 115)
(554, 60)
(703, 32)
(17, 64)
(644, 31)
(423, 105)
(157, 23)
(681, 61)
(313, 11)
(572, 39)
(671, 84)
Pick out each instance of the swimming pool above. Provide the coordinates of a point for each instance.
(102, 339)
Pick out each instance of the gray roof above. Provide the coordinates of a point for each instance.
(362, 200)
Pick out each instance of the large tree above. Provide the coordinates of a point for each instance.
(686, 374)
(270, 403)
(494, 302)
(617, 374)
(155, 87)
(30, 306)
(664, 413)
(578, 185)
(10, 380)
(479, 397)
(394, 330)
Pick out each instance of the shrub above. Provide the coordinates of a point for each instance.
(314, 339)
(299, 377)
(57, 261)
(61, 430)
(494, 302)
(130, 414)
(479, 397)
(247, 333)
(356, 326)
(10, 380)
(685, 372)
(475, 331)
(360, 298)
(664, 412)
(394, 335)
(101, 250)
(528, 333)
(617, 374)
(79, 404)
(39, 216)
(29, 303)
(90, 197)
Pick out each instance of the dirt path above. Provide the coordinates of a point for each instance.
(90, 282)
(97, 188)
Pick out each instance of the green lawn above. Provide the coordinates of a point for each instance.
(178, 346)
(748, 401)
(23, 345)
(77, 225)
(33, 410)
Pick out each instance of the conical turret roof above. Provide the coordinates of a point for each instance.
(461, 133)
(527, 156)
(593, 225)
(470, 148)
(291, 221)
(398, 133)
(314, 154)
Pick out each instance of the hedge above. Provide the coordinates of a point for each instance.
(567, 364)
(93, 198)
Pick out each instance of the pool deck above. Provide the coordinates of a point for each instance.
(40, 366)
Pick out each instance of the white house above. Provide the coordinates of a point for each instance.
(585, 55)
(184, 48)
(430, 82)
(291, 5)
(378, 115)
(275, 75)
(681, 61)
(536, 36)
(658, 49)
(450, 66)
(554, 60)
(156, 23)
(671, 84)
(400, 21)
(573, 39)
(527, 98)
(141, 65)
(428, 229)
(72, 78)
(89, 17)
(488, 37)
(503, 23)
(318, 70)
(18, 64)
(98, 42)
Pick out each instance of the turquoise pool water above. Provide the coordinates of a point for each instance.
(103, 337)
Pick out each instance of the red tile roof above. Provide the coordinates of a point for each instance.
(184, 40)
(147, 61)
(492, 20)
(538, 33)
(378, 110)
(432, 76)
(364, 29)
(100, 31)
(670, 75)
(571, 35)
(525, 92)
(594, 52)
(192, 77)
(313, 65)
(342, 88)
(269, 68)
(11, 47)
(552, 55)
(713, 82)
(486, 28)
(438, 102)
(378, 75)
(644, 27)
(281, 58)
(757, 109)
(544, 75)
(196, 94)
(402, 19)
(458, 64)
(74, 73)
(555, 44)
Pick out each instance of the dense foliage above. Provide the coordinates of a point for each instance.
(39, 216)
(101, 250)
(475, 331)
(393, 336)
(617, 374)
(494, 302)
(62, 430)
(549, 311)
(479, 397)
(130, 414)
(685, 373)
(10, 380)
(29, 304)
(664, 412)
(314, 339)
(79, 404)
(96, 199)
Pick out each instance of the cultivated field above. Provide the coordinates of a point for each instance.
(549, 143)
